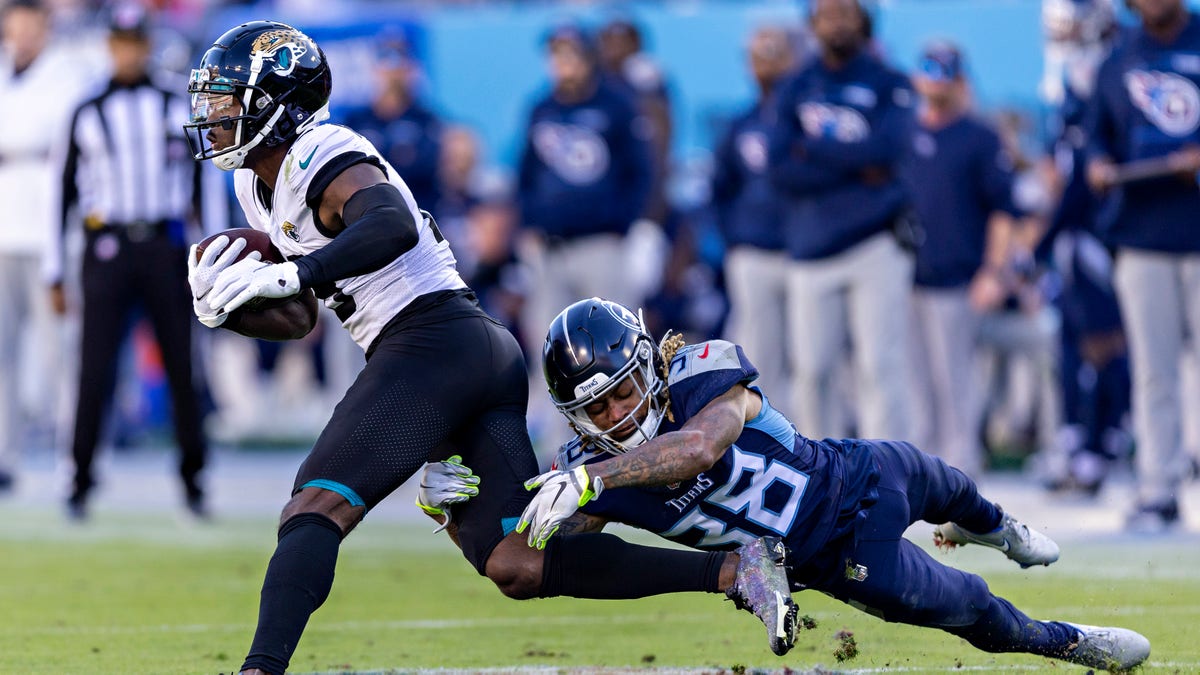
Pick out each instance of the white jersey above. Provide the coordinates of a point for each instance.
(364, 303)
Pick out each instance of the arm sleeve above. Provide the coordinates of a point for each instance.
(379, 229)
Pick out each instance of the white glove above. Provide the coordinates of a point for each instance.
(202, 273)
(210, 316)
(248, 279)
(561, 494)
(443, 484)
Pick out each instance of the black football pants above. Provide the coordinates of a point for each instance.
(119, 275)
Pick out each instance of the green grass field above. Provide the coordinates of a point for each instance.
(143, 595)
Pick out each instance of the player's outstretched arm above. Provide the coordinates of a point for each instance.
(683, 454)
(669, 458)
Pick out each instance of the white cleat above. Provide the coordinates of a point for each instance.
(1013, 538)
(1112, 649)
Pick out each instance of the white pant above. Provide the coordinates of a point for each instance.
(865, 288)
(946, 377)
(31, 355)
(756, 280)
(1159, 295)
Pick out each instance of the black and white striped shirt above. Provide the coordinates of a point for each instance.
(128, 160)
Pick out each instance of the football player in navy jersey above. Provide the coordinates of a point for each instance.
(677, 440)
(441, 377)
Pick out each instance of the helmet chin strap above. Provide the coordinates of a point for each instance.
(234, 159)
(646, 429)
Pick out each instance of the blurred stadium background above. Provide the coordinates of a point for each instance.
(481, 63)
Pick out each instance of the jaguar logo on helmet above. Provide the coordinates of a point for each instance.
(284, 46)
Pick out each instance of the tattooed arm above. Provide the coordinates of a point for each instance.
(683, 454)
(578, 523)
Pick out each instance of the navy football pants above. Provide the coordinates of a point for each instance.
(905, 584)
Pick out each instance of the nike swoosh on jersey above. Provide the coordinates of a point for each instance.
(704, 355)
(308, 160)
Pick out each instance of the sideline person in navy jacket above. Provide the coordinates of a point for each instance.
(843, 124)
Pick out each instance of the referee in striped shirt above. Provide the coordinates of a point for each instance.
(129, 175)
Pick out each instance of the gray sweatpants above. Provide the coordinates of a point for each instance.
(757, 283)
(1159, 295)
(866, 289)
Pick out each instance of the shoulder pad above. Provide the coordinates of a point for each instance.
(703, 357)
(314, 148)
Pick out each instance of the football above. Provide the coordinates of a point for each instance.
(267, 318)
(256, 240)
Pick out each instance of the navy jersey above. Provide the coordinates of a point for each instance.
(771, 482)
(586, 167)
(411, 143)
(749, 207)
(957, 177)
(834, 151)
(1147, 104)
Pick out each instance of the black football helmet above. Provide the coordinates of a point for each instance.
(592, 346)
(278, 75)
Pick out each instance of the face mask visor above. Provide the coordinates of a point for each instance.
(216, 124)
(647, 385)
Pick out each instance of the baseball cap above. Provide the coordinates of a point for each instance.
(573, 34)
(393, 48)
(129, 19)
(940, 61)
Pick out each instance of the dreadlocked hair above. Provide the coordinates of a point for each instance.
(667, 347)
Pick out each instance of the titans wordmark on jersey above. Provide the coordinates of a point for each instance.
(771, 482)
(364, 303)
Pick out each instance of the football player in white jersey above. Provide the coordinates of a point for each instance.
(442, 377)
